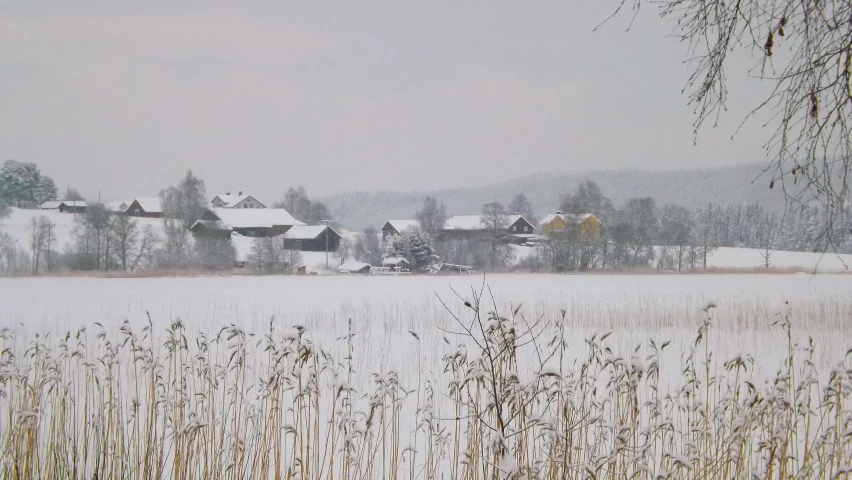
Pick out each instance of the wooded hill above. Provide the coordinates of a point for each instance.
(690, 188)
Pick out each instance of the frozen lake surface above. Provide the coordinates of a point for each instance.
(384, 309)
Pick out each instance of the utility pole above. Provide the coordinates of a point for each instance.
(326, 222)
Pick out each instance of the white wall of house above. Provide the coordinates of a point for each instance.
(249, 202)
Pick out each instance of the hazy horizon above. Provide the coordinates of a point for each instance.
(259, 97)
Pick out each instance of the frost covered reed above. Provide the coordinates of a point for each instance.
(141, 404)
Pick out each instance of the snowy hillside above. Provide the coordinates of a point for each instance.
(17, 224)
(691, 188)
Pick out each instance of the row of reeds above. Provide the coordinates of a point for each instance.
(140, 404)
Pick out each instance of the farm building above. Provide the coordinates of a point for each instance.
(249, 222)
(355, 267)
(586, 224)
(395, 227)
(472, 227)
(117, 206)
(240, 200)
(396, 263)
(311, 238)
(65, 206)
(145, 207)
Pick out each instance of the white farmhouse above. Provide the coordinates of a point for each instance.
(240, 200)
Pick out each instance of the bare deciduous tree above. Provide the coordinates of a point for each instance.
(42, 238)
(495, 222)
(805, 55)
(147, 243)
(432, 216)
(125, 235)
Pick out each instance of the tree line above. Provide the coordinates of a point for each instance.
(635, 234)
(101, 240)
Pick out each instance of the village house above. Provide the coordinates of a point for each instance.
(473, 227)
(240, 200)
(585, 224)
(65, 206)
(395, 227)
(311, 238)
(249, 222)
(145, 207)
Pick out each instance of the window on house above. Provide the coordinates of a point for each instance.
(526, 229)
(515, 229)
(136, 212)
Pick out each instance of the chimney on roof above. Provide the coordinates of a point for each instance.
(560, 213)
(241, 192)
(227, 193)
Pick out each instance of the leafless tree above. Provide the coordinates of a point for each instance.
(42, 236)
(147, 244)
(6, 243)
(432, 216)
(805, 54)
(125, 236)
(368, 247)
(495, 222)
(293, 259)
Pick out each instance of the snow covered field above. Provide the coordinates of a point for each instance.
(752, 258)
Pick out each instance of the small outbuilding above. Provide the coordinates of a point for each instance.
(65, 206)
(149, 207)
(312, 238)
(355, 267)
(396, 263)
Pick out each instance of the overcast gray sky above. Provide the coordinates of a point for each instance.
(123, 99)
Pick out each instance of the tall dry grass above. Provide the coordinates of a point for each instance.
(509, 401)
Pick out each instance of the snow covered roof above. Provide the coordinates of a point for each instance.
(568, 217)
(306, 232)
(353, 266)
(117, 205)
(231, 200)
(473, 222)
(51, 205)
(150, 204)
(401, 225)
(255, 217)
(394, 261)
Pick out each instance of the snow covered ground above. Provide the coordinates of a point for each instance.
(753, 258)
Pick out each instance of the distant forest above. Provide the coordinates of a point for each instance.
(694, 189)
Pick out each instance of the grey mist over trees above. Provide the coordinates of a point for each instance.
(521, 205)
(72, 194)
(691, 188)
(368, 246)
(301, 207)
(588, 198)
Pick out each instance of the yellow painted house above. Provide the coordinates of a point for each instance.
(587, 224)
